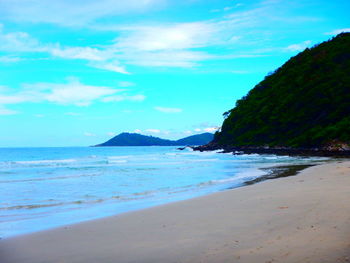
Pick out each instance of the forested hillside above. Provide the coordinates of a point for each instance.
(304, 103)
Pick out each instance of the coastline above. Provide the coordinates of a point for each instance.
(300, 218)
(315, 152)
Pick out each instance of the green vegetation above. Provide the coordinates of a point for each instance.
(304, 103)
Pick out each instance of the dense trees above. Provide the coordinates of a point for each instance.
(304, 103)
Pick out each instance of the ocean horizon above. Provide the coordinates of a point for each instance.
(48, 187)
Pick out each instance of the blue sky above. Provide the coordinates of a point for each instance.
(78, 72)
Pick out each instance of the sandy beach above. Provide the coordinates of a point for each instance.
(303, 218)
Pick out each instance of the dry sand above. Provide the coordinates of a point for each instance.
(304, 218)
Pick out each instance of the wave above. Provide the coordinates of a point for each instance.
(51, 203)
(46, 161)
(36, 206)
(48, 178)
(116, 161)
(119, 157)
(39, 162)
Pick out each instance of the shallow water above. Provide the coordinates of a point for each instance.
(41, 188)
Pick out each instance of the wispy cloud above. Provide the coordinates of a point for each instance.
(21, 42)
(338, 31)
(182, 45)
(153, 131)
(73, 92)
(18, 42)
(174, 37)
(87, 53)
(110, 66)
(211, 129)
(89, 134)
(299, 46)
(9, 59)
(226, 8)
(168, 110)
(72, 113)
(138, 97)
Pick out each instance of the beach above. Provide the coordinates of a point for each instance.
(303, 218)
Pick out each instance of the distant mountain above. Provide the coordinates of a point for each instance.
(303, 104)
(134, 139)
(198, 139)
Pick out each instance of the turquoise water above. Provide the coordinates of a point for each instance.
(41, 188)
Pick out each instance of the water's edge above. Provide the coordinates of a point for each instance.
(62, 187)
(279, 172)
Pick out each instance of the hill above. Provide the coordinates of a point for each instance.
(134, 139)
(198, 139)
(303, 104)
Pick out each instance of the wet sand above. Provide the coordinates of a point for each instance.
(304, 218)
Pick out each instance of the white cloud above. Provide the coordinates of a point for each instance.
(181, 59)
(18, 42)
(86, 53)
(170, 45)
(111, 133)
(9, 59)
(89, 134)
(151, 45)
(110, 66)
(137, 131)
(338, 31)
(298, 47)
(187, 132)
(197, 130)
(15, 98)
(153, 130)
(138, 97)
(22, 42)
(72, 114)
(168, 110)
(211, 129)
(71, 93)
(101, 59)
(171, 37)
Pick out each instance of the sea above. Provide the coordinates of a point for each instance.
(42, 188)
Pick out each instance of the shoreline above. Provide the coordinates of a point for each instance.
(271, 172)
(280, 171)
(308, 152)
(302, 218)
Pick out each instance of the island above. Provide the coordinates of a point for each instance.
(135, 139)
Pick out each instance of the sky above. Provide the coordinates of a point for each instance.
(76, 73)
